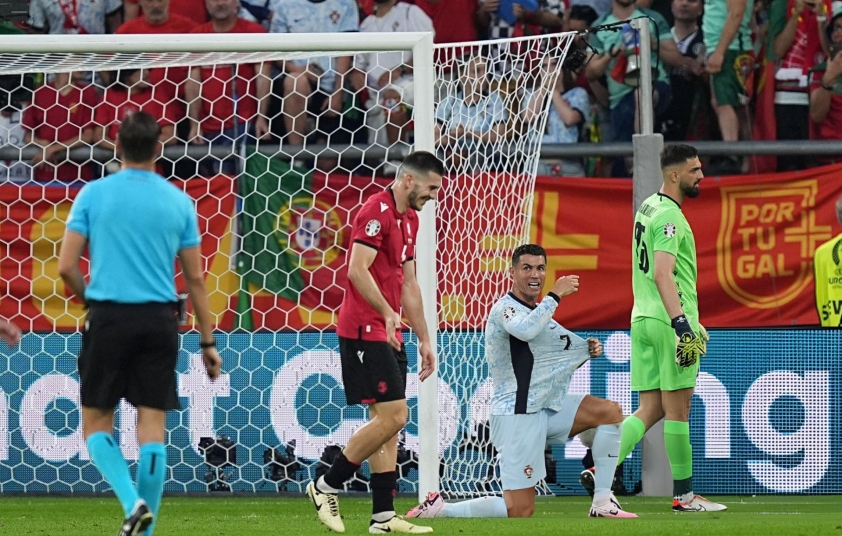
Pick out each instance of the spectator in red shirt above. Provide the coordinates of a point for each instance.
(157, 19)
(167, 83)
(797, 28)
(454, 21)
(826, 88)
(191, 9)
(213, 117)
(60, 118)
(131, 92)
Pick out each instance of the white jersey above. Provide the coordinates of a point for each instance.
(12, 134)
(90, 15)
(401, 18)
(307, 16)
(531, 357)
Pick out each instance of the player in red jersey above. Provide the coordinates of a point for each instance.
(381, 280)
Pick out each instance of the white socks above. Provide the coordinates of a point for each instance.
(605, 450)
(322, 486)
(482, 507)
(382, 517)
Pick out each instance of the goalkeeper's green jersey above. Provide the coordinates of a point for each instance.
(659, 225)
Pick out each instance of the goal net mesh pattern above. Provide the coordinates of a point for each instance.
(278, 162)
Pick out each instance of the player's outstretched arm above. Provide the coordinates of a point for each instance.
(413, 308)
(9, 332)
(362, 257)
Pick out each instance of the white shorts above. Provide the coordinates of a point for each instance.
(521, 439)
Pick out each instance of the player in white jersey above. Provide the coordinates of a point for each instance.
(532, 358)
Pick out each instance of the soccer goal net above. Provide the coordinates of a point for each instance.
(279, 139)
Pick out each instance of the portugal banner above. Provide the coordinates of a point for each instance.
(296, 228)
(755, 239)
(32, 218)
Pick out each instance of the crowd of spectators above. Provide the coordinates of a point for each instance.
(717, 66)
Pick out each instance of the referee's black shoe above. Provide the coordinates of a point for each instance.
(138, 521)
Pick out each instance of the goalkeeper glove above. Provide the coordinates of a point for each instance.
(703, 334)
(688, 347)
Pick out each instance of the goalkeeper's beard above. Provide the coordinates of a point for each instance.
(690, 191)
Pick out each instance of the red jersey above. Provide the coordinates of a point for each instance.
(379, 225)
(118, 103)
(57, 118)
(192, 9)
(176, 24)
(217, 112)
(168, 83)
(453, 22)
(831, 127)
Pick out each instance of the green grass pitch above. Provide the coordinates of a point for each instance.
(562, 516)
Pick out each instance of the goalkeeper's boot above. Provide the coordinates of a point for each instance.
(429, 508)
(327, 507)
(588, 480)
(397, 524)
(695, 503)
(610, 508)
(138, 521)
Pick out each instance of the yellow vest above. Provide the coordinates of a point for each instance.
(827, 264)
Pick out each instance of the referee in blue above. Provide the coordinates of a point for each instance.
(135, 224)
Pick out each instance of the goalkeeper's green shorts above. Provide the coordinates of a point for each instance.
(653, 358)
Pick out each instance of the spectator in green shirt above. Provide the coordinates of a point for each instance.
(726, 26)
(623, 98)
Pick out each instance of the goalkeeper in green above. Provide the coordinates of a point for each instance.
(667, 339)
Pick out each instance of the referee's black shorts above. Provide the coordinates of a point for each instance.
(129, 351)
(372, 371)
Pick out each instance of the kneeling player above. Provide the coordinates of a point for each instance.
(532, 359)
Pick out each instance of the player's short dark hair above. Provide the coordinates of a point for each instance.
(138, 137)
(583, 13)
(528, 249)
(423, 162)
(677, 153)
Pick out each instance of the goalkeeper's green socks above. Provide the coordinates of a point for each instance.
(680, 453)
(631, 434)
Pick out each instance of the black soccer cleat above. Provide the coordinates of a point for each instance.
(138, 521)
(587, 479)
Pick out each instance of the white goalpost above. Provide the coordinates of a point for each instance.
(275, 230)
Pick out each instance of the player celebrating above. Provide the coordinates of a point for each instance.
(134, 224)
(532, 359)
(667, 339)
(381, 279)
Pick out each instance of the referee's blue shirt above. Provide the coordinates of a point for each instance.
(136, 223)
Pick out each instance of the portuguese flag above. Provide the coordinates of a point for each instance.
(295, 229)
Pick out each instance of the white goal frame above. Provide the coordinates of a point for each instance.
(421, 45)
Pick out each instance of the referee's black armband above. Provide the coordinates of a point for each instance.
(554, 296)
(211, 344)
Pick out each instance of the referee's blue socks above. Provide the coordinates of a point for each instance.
(151, 474)
(106, 455)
